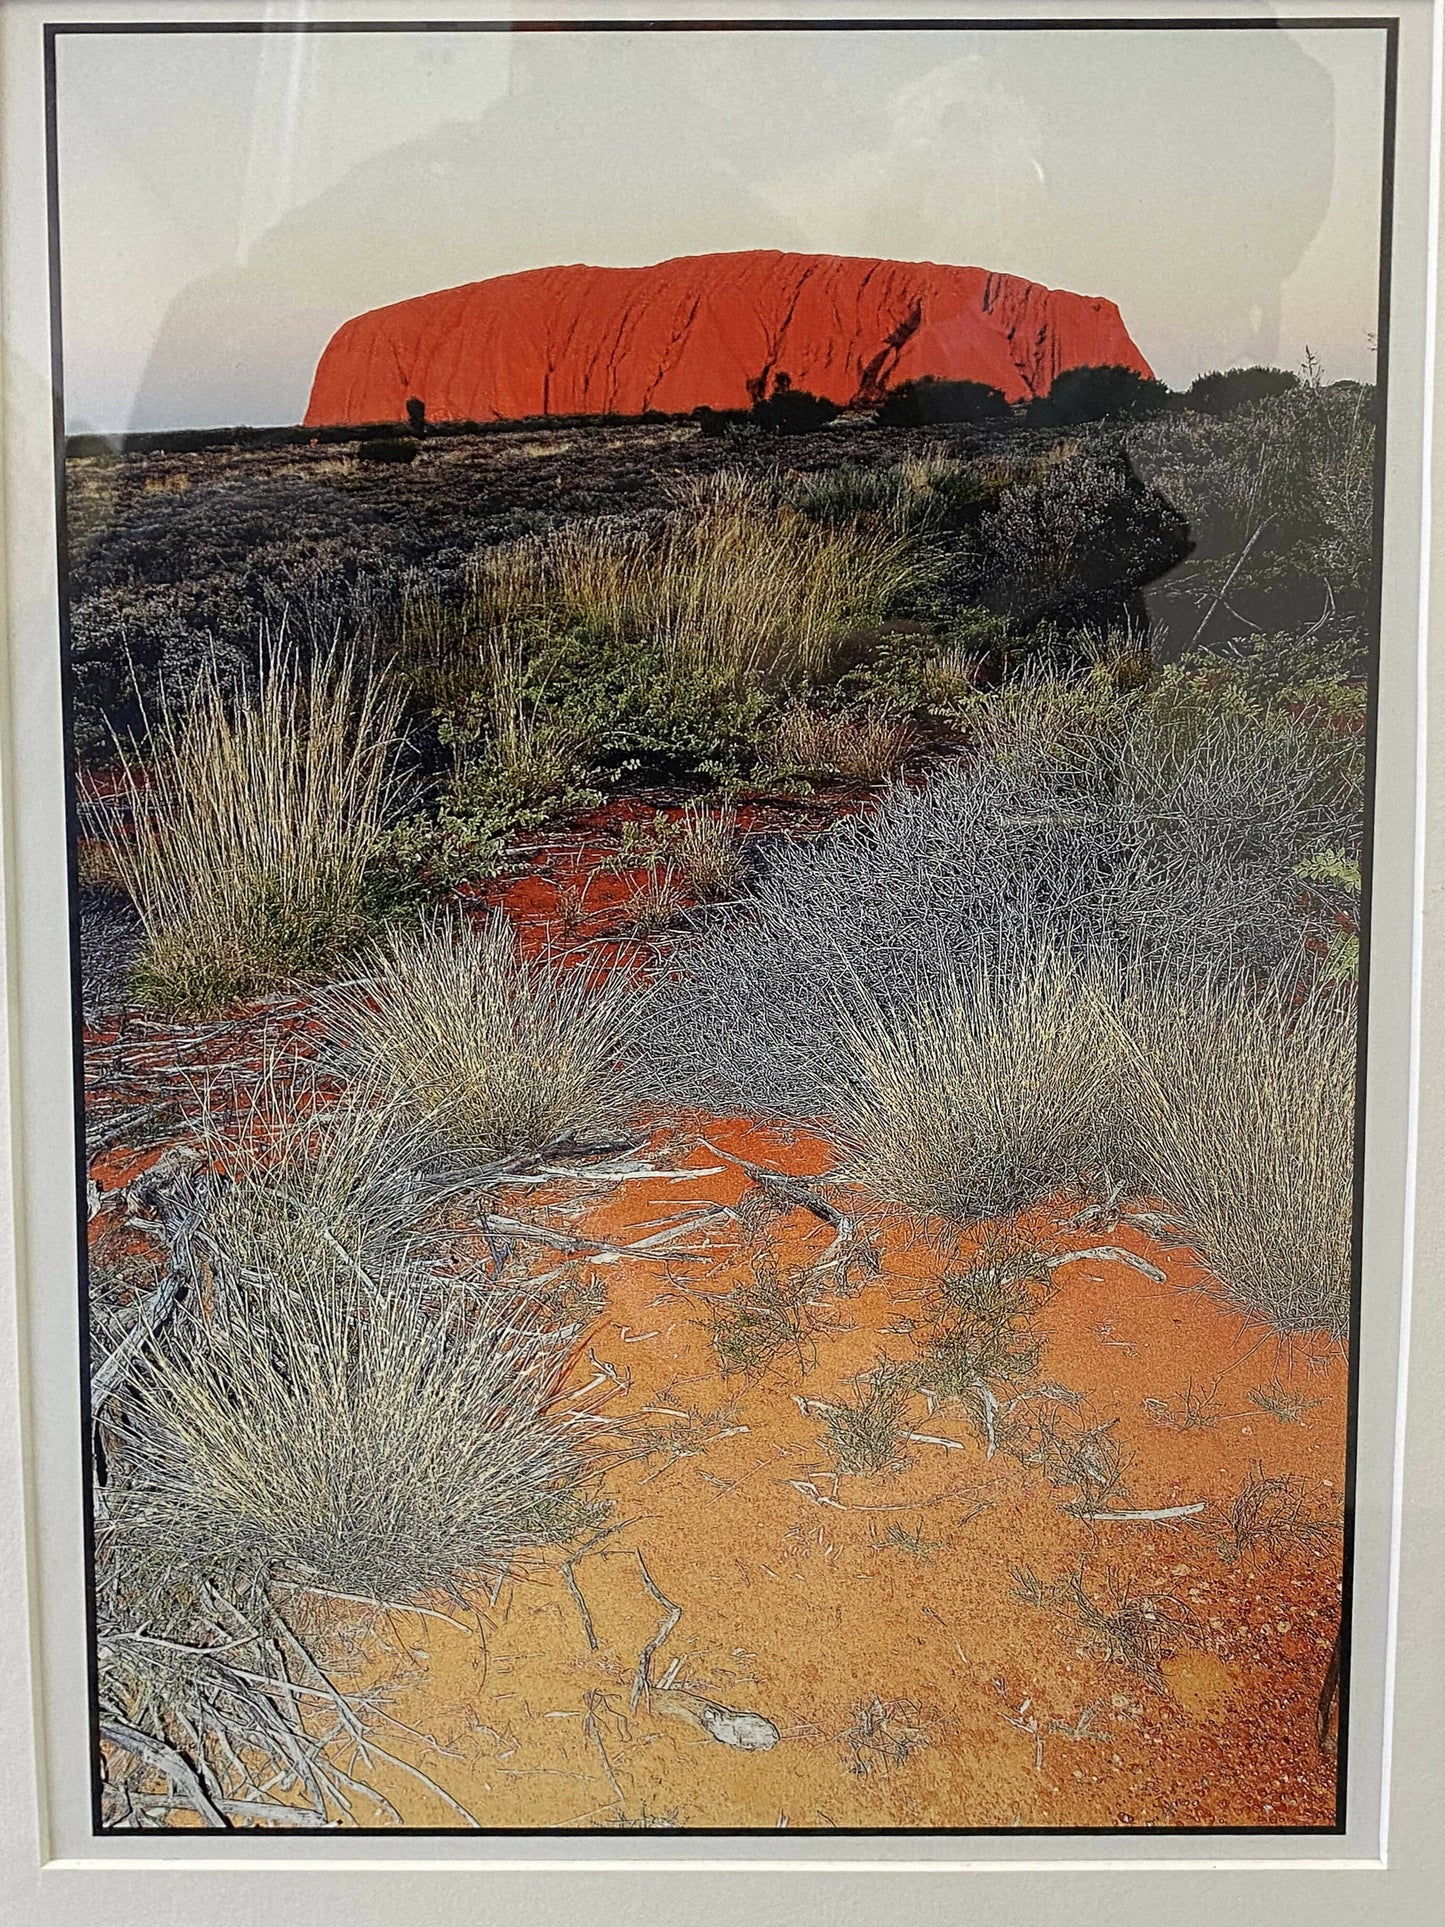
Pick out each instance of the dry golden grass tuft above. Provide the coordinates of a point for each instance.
(496, 1052)
(860, 749)
(252, 829)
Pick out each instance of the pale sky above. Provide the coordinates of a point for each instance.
(228, 200)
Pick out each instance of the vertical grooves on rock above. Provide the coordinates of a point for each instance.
(704, 330)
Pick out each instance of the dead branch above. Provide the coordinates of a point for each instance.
(169, 1760)
(642, 1682)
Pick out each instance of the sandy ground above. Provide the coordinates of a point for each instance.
(875, 1621)
(945, 1643)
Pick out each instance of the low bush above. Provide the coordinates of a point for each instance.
(256, 821)
(918, 404)
(1097, 394)
(494, 1052)
(1101, 822)
(791, 411)
(386, 448)
(1074, 546)
(1284, 487)
(1222, 391)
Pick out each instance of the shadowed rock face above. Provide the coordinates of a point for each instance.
(713, 330)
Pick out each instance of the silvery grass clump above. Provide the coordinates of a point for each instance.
(1243, 1123)
(307, 1175)
(495, 1052)
(364, 1435)
(1084, 822)
(991, 1086)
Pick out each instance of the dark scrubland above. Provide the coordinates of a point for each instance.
(957, 823)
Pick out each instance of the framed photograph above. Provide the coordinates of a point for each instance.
(718, 930)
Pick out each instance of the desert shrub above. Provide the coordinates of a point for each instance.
(633, 706)
(980, 1091)
(1084, 820)
(347, 1432)
(1290, 479)
(1222, 391)
(387, 448)
(917, 404)
(832, 743)
(1095, 394)
(494, 1051)
(1245, 1128)
(791, 411)
(255, 823)
(1073, 545)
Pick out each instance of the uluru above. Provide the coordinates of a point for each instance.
(708, 330)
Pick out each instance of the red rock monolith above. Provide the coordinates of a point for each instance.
(714, 330)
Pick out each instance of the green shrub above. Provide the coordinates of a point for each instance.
(1095, 394)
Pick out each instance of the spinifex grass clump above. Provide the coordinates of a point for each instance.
(1244, 1126)
(978, 1092)
(498, 1053)
(310, 1175)
(861, 749)
(735, 582)
(253, 827)
(1102, 825)
(350, 1432)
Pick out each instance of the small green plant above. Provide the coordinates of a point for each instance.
(1282, 1402)
(1131, 1629)
(887, 1733)
(766, 1317)
(865, 1433)
(1267, 1517)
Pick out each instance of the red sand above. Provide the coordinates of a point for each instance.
(803, 1595)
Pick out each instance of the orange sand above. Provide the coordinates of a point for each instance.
(804, 1594)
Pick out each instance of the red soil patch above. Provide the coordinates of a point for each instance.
(807, 1596)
